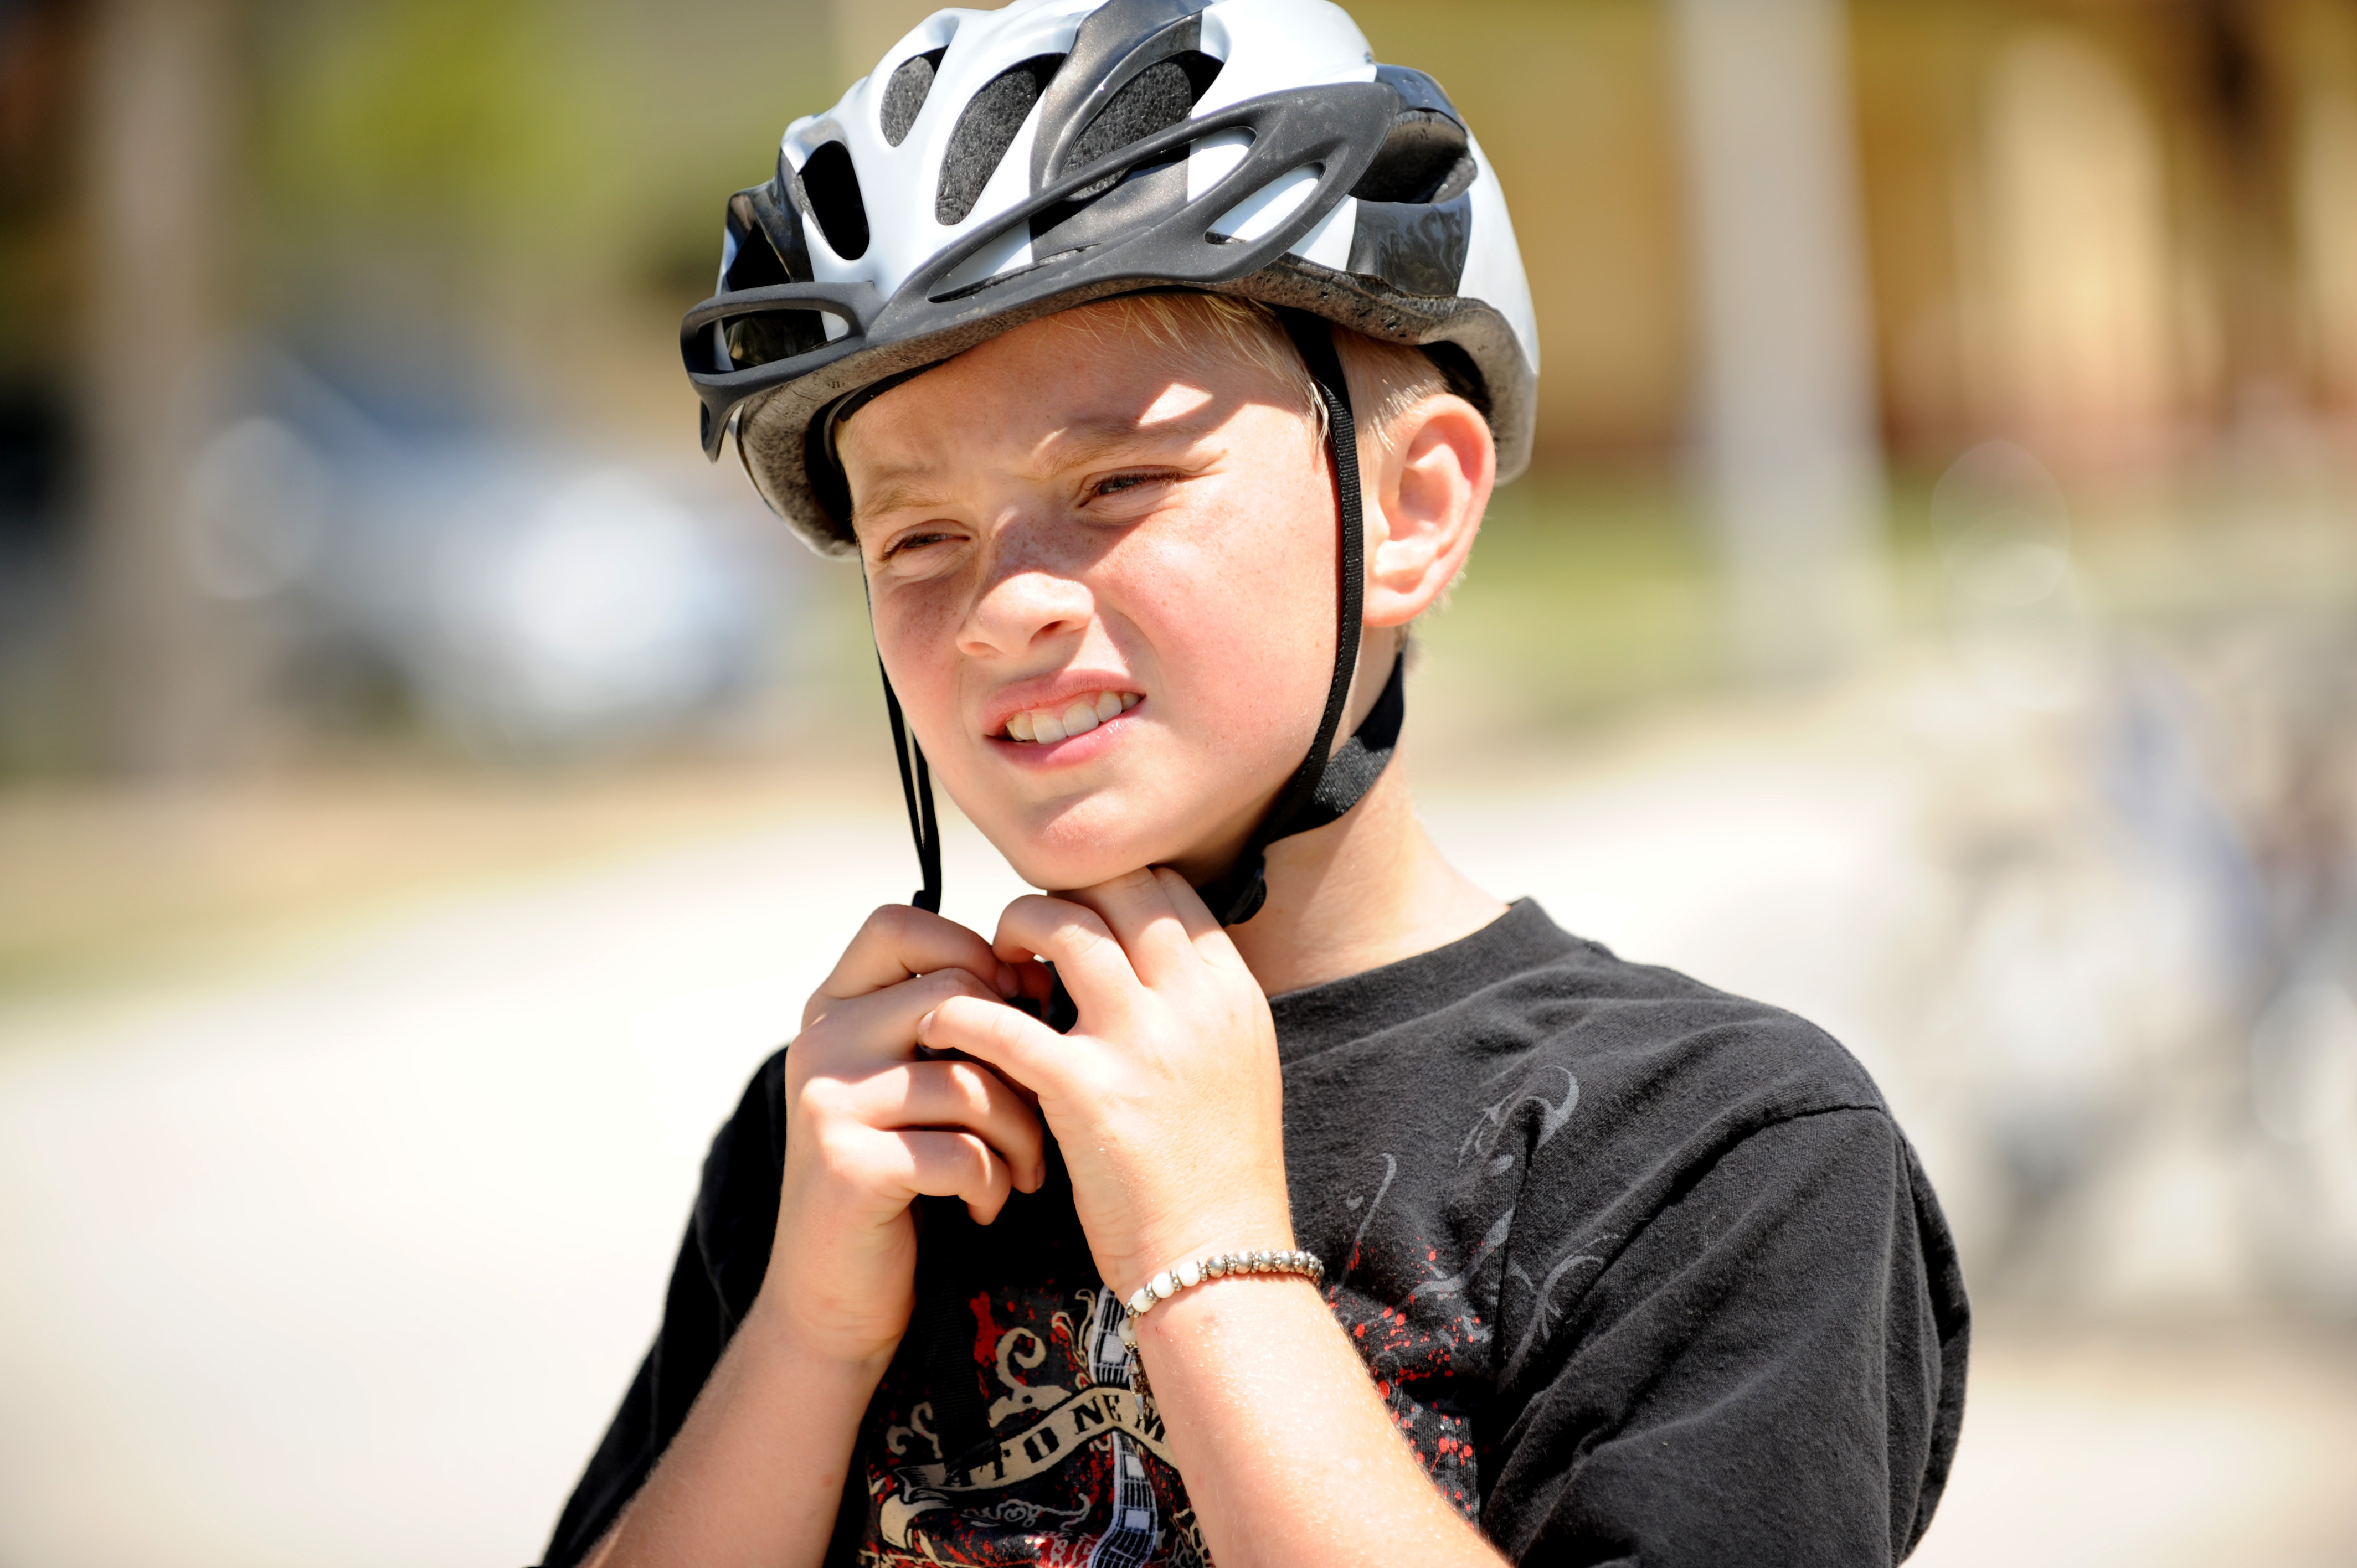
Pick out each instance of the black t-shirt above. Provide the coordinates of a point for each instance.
(1644, 1272)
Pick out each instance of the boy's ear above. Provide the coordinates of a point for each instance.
(1425, 498)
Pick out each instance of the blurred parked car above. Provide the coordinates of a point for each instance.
(520, 596)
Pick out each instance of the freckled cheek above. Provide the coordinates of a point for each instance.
(916, 633)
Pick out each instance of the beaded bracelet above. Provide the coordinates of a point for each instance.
(1195, 1271)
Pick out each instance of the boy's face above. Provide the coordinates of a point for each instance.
(1070, 511)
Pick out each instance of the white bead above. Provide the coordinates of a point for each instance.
(1191, 1273)
(1163, 1286)
(1141, 1301)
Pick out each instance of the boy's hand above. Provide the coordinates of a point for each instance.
(869, 1127)
(1166, 1097)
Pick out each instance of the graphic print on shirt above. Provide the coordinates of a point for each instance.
(1480, 1145)
(1426, 1332)
(1077, 1469)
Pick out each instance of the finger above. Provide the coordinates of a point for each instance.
(955, 1097)
(1209, 938)
(1076, 940)
(882, 1025)
(898, 943)
(948, 1164)
(1025, 1051)
(1137, 909)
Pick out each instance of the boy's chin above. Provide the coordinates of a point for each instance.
(1069, 874)
(1068, 869)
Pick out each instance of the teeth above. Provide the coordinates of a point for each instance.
(1045, 727)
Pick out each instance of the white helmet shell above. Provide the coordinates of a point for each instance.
(999, 166)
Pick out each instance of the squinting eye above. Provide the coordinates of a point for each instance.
(912, 541)
(1121, 482)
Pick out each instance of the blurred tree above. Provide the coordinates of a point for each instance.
(1785, 422)
(173, 682)
(442, 126)
(39, 47)
(515, 183)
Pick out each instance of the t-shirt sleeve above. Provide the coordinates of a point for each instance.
(1768, 1371)
(721, 1262)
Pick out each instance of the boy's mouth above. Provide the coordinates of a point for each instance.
(1045, 727)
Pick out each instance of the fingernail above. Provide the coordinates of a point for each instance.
(925, 1023)
(1009, 983)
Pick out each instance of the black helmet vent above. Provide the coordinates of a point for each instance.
(1155, 99)
(756, 263)
(904, 95)
(753, 340)
(1425, 158)
(985, 129)
(767, 250)
(831, 190)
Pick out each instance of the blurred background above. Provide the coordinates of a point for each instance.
(427, 790)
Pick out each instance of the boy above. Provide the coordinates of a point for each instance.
(1315, 1207)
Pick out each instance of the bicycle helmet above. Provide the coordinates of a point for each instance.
(997, 166)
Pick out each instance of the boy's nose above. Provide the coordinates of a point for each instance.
(1022, 608)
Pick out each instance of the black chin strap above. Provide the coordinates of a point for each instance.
(917, 792)
(1329, 781)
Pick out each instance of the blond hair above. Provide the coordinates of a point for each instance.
(1386, 380)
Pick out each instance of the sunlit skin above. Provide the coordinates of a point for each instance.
(1068, 510)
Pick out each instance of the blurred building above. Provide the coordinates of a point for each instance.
(2096, 226)
(2123, 236)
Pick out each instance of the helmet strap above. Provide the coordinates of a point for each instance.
(917, 794)
(916, 778)
(1329, 782)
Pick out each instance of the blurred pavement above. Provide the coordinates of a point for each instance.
(344, 1259)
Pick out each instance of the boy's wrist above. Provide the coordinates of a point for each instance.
(1192, 1313)
(1201, 1269)
(1242, 1225)
(773, 1331)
